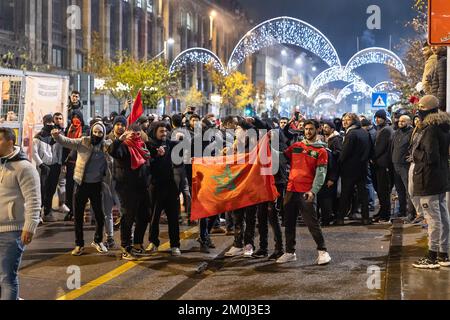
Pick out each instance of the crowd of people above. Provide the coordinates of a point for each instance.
(329, 171)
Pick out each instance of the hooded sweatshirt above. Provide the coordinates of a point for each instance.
(86, 171)
(308, 166)
(20, 193)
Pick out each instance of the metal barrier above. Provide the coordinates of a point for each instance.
(12, 100)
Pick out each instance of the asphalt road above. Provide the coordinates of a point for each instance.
(47, 265)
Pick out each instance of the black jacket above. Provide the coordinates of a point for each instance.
(400, 146)
(162, 168)
(431, 156)
(335, 147)
(439, 81)
(126, 177)
(355, 152)
(382, 151)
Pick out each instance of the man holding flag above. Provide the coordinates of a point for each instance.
(309, 160)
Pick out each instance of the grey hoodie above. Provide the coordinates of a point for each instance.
(20, 194)
(85, 149)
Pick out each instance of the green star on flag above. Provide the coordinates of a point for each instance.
(226, 180)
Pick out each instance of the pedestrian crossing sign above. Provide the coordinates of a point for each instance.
(379, 100)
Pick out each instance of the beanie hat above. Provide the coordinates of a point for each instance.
(120, 119)
(381, 114)
(330, 124)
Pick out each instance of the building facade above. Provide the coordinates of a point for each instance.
(58, 36)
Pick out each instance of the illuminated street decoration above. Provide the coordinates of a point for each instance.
(393, 98)
(291, 31)
(332, 75)
(324, 96)
(385, 86)
(292, 87)
(356, 87)
(284, 30)
(197, 55)
(376, 55)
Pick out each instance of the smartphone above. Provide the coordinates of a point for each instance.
(297, 116)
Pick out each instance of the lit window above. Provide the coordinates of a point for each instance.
(189, 22)
(150, 6)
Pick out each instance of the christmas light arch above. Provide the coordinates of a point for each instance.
(331, 75)
(197, 55)
(385, 86)
(292, 87)
(324, 96)
(355, 87)
(284, 30)
(376, 55)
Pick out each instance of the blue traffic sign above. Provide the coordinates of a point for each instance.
(379, 100)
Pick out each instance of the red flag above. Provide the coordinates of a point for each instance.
(137, 111)
(227, 183)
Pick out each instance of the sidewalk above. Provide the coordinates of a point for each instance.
(403, 282)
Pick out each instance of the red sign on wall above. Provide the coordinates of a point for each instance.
(439, 22)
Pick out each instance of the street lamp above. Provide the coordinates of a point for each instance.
(299, 61)
(314, 69)
(283, 52)
(167, 43)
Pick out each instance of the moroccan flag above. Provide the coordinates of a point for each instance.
(137, 111)
(228, 183)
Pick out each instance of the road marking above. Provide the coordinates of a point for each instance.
(72, 295)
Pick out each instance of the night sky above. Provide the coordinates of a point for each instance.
(342, 21)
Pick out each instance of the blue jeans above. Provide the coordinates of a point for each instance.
(11, 250)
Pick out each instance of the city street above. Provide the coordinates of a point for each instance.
(353, 249)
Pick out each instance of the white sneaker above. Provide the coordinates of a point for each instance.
(287, 257)
(78, 251)
(100, 247)
(248, 251)
(175, 252)
(233, 252)
(151, 248)
(64, 209)
(323, 258)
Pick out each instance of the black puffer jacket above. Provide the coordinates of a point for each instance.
(439, 80)
(431, 156)
(126, 177)
(162, 168)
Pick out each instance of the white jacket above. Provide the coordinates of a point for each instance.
(44, 152)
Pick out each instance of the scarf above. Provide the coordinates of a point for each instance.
(138, 152)
(75, 129)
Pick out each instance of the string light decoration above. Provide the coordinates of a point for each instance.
(197, 55)
(355, 87)
(324, 96)
(284, 30)
(292, 87)
(376, 55)
(332, 75)
(385, 86)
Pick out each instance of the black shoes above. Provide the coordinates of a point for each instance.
(260, 253)
(276, 254)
